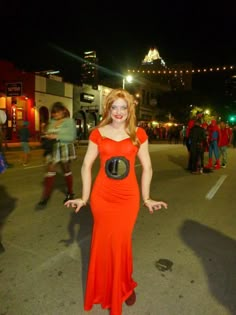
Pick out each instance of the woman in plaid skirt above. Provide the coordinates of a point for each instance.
(61, 135)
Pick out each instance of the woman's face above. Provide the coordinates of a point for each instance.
(58, 115)
(119, 110)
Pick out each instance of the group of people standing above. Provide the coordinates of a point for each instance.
(212, 138)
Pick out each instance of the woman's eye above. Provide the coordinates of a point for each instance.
(122, 108)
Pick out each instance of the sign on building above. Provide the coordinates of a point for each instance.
(14, 89)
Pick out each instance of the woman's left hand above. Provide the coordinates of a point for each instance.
(51, 136)
(154, 205)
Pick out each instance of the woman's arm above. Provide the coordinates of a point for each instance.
(144, 158)
(146, 179)
(86, 170)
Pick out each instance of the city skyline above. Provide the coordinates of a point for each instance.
(49, 37)
(43, 38)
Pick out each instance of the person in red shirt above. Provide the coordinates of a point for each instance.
(224, 142)
(213, 140)
(204, 125)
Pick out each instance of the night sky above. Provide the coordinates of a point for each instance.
(41, 36)
(196, 32)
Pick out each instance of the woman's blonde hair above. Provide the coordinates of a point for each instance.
(130, 123)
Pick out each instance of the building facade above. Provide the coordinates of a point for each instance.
(16, 99)
(30, 96)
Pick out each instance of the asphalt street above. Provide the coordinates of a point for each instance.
(184, 257)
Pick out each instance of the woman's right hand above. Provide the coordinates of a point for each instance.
(77, 204)
(154, 205)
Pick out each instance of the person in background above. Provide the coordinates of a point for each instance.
(213, 140)
(183, 135)
(115, 201)
(234, 137)
(5, 163)
(197, 137)
(2, 156)
(61, 130)
(24, 135)
(224, 142)
(187, 142)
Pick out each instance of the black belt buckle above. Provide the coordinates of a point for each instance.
(117, 167)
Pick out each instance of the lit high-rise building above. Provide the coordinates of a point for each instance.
(89, 73)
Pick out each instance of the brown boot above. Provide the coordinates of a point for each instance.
(131, 299)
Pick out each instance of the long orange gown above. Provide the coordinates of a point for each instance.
(115, 204)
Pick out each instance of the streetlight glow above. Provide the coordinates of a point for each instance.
(128, 79)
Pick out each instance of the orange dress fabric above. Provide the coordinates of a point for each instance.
(115, 204)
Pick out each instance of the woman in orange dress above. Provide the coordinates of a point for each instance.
(115, 201)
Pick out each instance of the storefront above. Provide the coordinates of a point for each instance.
(16, 100)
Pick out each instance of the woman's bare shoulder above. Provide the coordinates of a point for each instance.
(104, 130)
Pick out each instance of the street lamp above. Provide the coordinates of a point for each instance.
(128, 79)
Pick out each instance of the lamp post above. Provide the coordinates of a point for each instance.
(128, 79)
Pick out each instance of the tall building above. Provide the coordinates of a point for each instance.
(180, 77)
(89, 71)
(230, 87)
(173, 84)
(153, 58)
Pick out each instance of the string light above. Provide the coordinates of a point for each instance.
(183, 71)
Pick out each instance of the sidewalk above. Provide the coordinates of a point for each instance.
(34, 145)
(14, 146)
